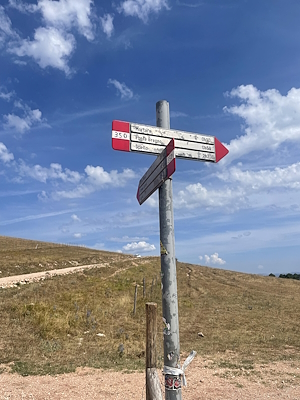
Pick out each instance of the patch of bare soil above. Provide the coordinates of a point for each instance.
(205, 382)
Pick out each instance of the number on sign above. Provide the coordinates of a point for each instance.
(121, 135)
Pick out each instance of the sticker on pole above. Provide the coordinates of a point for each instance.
(163, 167)
(163, 250)
(172, 382)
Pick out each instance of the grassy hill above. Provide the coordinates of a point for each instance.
(21, 256)
(52, 326)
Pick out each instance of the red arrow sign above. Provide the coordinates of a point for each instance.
(162, 168)
(152, 140)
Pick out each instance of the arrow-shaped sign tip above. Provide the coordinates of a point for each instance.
(138, 195)
(220, 149)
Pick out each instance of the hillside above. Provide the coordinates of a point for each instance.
(21, 256)
(54, 326)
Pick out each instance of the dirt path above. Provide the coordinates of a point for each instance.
(279, 381)
(11, 281)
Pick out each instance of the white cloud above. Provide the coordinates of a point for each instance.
(23, 7)
(77, 235)
(127, 238)
(107, 24)
(50, 48)
(196, 195)
(75, 218)
(68, 13)
(53, 44)
(5, 95)
(288, 177)
(97, 178)
(43, 174)
(213, 259)
(140, 246)
(270, 119)
(24, 123)
(122, 89)
(142, 8)
(5, 155)
(6, 31)
(245, 189)
(177, 114)
(13, 121)
(62, 14)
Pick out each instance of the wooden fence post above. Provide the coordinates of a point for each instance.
(135, 297)
(153, 389)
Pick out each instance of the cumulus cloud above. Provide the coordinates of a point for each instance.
(63, 14)
(270, 119)
(75, 218)
(5, 155)
(54, 43)
(287, 177)
(107, 24)
(213, 259)
(97, 178)
(50, 48)
(196, 195)
(5, 95)
(140, 246)
(142, 8)
(77, 235)
(43, 174)
(122, 89)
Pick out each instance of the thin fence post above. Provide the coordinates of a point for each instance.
(135, 297)
(153, 389)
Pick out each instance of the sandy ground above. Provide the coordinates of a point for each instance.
(274, 381)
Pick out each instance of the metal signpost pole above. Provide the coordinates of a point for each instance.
(168, 276)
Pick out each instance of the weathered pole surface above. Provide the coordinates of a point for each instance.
(153, 389)
(168, 276)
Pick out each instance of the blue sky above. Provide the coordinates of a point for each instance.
(229, 68)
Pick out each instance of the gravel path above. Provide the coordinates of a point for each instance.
(279, 381)
(12, 281)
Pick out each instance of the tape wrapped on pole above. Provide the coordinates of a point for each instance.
(180, 371)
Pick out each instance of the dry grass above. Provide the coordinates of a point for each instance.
(20, 256)
(52, 326)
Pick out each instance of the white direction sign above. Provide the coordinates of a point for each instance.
(162, 168)
(128, 136)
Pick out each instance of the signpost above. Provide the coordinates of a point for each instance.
(192, 146)
(162, 168)
(139, 138)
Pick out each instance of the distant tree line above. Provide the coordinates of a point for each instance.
(288, 276)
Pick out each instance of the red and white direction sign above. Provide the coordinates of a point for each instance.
(128, 136)
(162, 168)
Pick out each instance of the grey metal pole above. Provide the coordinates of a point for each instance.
(168, 275)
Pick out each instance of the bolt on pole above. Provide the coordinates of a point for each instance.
(168, 276)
